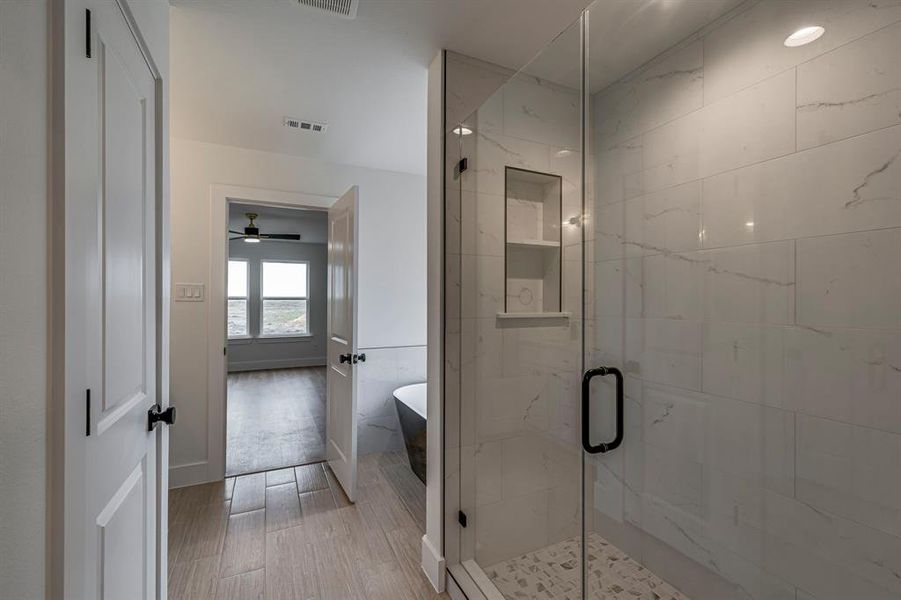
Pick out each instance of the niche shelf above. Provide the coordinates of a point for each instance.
(533, 251)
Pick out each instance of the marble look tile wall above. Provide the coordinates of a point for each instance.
(747, 278)
(385, 370)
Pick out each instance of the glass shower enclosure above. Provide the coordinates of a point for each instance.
(673, 307)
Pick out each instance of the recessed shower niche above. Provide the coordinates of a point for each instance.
(532, 266)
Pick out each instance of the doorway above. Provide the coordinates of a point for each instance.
(276, 351)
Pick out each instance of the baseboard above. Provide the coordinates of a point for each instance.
(189, 474)
(433, 564)
(280, 363)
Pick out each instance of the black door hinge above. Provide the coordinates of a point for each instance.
(225, 351)
(461, 167)
(87, 32)
(87, 413)
(461, 518)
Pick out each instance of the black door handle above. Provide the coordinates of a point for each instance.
(157, 415)
(586, 400)
(345, 358)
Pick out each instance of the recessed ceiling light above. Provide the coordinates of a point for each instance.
(805, 35)
(563, 152)
(463, 130)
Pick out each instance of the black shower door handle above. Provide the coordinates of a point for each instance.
(586, 401)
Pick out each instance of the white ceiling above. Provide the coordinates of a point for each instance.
(312, 225)
(240, 66)
(623, 35)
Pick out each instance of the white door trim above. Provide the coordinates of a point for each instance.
(217, 364)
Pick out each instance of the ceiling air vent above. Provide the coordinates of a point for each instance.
(311, 126)
(346, 9)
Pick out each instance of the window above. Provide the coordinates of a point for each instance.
(237, 299)
(284, 296)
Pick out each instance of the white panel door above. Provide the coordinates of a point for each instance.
(341, 427)
(112, 551)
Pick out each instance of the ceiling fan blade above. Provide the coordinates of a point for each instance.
(240, 237)
(280, 236)
(236, 232)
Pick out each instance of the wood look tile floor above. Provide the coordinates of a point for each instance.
(292, 534)
(276, 419)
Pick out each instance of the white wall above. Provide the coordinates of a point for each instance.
(391, 295)
(23, 296)
(392, 261)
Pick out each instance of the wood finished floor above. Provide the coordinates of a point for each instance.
(276, 419)
(291, 534)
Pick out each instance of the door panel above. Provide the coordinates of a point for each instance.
(341, 315)
(341, 428)
(123, 576)
(124, 197)
(117, 314)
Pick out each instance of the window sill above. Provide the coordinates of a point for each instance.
(269, 339)
(293, 337)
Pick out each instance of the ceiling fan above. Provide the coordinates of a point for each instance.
(252, 235)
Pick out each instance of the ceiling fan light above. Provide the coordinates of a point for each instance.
(252, 240)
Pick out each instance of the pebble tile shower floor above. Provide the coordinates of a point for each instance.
(552, 573)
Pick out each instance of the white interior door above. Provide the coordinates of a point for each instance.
(341, 428)
(112, 495)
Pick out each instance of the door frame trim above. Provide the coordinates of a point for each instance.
(217, 363)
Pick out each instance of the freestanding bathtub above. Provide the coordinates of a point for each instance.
(411, 411)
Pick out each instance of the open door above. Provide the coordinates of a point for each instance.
(341, 427)
(115, 479)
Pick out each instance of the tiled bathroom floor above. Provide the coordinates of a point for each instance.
(552, 573)
(292, 534)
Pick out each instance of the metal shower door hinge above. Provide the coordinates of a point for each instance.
(87, 32)
(461, 167)
(87, 413)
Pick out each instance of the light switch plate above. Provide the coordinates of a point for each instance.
(189, 292)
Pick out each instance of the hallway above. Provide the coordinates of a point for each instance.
(291, 533)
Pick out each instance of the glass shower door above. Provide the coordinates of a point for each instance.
(515, 273)
(743, 231)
